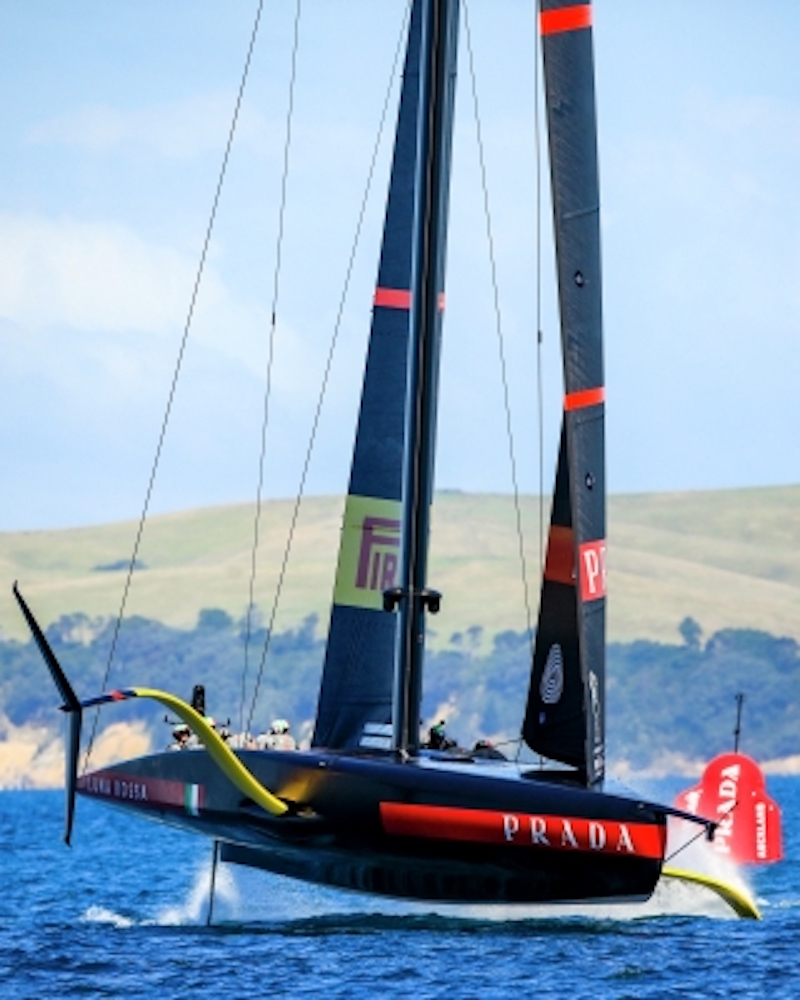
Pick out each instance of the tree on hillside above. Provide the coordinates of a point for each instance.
(690, 632)
(662, 698)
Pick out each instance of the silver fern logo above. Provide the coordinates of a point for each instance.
(552, 683)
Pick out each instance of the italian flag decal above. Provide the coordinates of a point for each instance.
(191, 799)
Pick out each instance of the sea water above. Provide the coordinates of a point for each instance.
(123, 913)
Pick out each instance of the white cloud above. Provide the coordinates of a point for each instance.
(178, 129)
(88, 286)
(93, 276)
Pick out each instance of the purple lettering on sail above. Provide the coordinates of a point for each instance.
(377, 560)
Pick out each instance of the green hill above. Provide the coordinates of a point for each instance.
(725, 558)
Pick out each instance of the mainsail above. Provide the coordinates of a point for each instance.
(358, 684)
(565, 716)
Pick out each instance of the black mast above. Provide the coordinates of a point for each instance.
(438, 50)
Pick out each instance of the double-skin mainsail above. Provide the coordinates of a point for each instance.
(371, 687)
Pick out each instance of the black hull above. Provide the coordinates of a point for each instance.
(444, 879)
(447, 831)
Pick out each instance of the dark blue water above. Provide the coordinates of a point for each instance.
(122, 914)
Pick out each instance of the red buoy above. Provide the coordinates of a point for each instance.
(732, 793)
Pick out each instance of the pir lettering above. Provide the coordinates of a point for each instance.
(377, 560)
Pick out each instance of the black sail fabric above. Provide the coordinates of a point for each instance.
(356, 695)
(554, 723)
(565, 717)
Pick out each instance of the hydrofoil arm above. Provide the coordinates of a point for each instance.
(219, 751)
(738, 900)
(217, 748)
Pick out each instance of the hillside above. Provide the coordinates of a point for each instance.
(726, 558)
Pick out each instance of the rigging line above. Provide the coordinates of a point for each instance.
(499, 328)
(270, 355)
(678, 850)
(507, 743)
(178, 365)
(328, 365)
(537, 131)
(537, 135)
(703, 832)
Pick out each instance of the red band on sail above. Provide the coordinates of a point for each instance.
(586, 397)
(393, 298)
(552, 22)
(440, 302)
(523, 830)
(559, 565)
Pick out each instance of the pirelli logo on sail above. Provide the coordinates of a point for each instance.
(369, 553)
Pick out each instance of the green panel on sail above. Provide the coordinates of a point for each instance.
(568, 677)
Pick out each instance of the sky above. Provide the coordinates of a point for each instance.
(115, 118)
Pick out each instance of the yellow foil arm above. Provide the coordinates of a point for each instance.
(218, 751)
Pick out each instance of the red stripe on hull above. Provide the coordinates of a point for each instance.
(553, 22)
(510, 829)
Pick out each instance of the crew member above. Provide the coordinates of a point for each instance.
(180, 735)
(437, 737)
(488, 751)
(278, 737)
